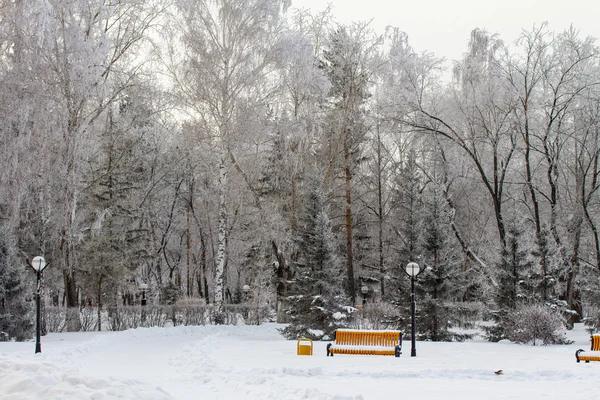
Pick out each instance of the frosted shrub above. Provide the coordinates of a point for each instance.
(89, 319)
(56, 319)
(123, 318)
(375, 315)
(536, 324)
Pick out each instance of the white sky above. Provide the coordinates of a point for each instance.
(444, 26)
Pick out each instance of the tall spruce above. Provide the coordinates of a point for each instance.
(15, 312)
(347, 62)
(114, 239)
(315, 294)
(440, 279)
(515, 283)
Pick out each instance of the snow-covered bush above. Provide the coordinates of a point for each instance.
(56, 319)
(89, 319)
(375, 315)
(536, 324)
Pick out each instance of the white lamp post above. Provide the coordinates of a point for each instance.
(413, 269)
(38, 264)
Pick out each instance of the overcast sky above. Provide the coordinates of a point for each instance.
(444, 26)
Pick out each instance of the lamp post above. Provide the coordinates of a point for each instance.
(245, 306)
(365, 291)
(38, 264)
(246, 290)
(143, 287)
(412, 269)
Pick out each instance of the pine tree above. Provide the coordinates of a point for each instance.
(409, 205)
(514, 283)
(114, 235)
(16, 320)
(315, 300)
(440, 279)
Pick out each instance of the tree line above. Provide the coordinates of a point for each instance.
(235, 151)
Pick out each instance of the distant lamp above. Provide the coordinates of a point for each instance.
(245, 293)
(365, 291)
(143, 287)
(413, 269)
(38, 264)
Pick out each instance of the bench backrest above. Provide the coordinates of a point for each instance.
(595, 343)
(367, 338)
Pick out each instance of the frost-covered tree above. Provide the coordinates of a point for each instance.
(230, 49)
(315, 293)
(348, 62)
(408, 204)
(514, 269)
(16, 321)
(514, 283)
(440, 280)
(70, 66)
(115, 237)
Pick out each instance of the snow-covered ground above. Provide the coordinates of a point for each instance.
(255, 362)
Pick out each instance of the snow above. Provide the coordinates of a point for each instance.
(255, 362)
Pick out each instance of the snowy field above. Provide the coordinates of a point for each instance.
(255, 362)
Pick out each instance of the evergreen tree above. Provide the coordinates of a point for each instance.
(315, 295)
(348, 63)
(514, 283)
(16, 321)
(407, 219)
(115, 238)
(439, 280)
(409, 204)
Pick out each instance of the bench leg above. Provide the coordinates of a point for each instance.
(577, 354)
(329, 353)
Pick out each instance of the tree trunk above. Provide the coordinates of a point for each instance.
(349, 250)
(99, 305)
(222, 241)
(283, 275)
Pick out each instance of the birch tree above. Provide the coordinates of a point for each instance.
(66, 68)
(230, 49)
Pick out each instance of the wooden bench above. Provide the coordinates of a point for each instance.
(354, 341)
(593, 355)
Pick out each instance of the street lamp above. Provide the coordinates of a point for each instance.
(38, 264)
(412, 269)
(143, 287)
(246, 290)
(365, 291)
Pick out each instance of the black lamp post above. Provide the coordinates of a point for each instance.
(365, 292)
(38, 264)
(143, 287)
(412, 269)
(246, 290)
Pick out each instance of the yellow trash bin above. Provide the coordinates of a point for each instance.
(304, 347)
